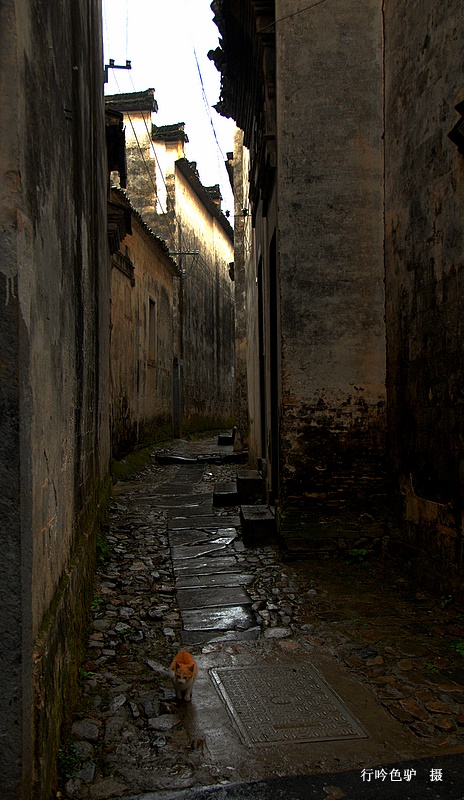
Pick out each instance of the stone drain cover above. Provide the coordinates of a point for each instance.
(286, 704)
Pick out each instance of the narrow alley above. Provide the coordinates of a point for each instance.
(339, 676)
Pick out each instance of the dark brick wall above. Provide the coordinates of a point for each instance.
(330, 248)
(424, 271)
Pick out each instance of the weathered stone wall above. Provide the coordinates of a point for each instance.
(206, 317)
(424, 241)
(180, 210)
(141, 380)
(141, 168)
(55, 421)
(242, 252)
(330, 255)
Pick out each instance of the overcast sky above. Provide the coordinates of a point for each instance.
(160, 38)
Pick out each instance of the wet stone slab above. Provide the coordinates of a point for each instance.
(180, 501)
(194, 473)
(210, 522)
(178, 488)
(187, 552)
(192, 638)
(219, 579)
(205, 566)
(216, 597)
(191, 537)
(224, 619)
(189, 511)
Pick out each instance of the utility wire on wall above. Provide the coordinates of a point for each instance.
(289, 16)
(207, 105)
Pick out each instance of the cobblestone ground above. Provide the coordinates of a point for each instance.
(129, 735)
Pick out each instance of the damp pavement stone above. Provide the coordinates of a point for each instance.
(205, 566)
(362, 619)
(211, 598)
(223, 619)
(210, 522)
(225, 579)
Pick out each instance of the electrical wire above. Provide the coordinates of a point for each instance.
(141, 152)
(127, 28)
(207, 106)
(178, 225)
(289, 16)
(221, 164)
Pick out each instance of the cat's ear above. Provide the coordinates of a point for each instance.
(192, 667)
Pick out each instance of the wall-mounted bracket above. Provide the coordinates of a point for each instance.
(112, 65)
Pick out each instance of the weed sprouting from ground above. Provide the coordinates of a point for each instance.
(356, 556)
(69, 761)
(103, 551)
(458, 647)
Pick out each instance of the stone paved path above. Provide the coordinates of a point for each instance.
(174, 574)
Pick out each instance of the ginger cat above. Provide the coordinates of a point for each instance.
(183, 671)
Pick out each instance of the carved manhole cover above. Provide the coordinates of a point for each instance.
(285, 704)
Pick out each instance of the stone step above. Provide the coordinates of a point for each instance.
(225, 439)
(225, 494)
(258, 524)
(250, 484)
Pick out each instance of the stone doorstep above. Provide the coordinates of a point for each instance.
(258, 524)
(225, 439)
(250, 484)
(225, 494)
